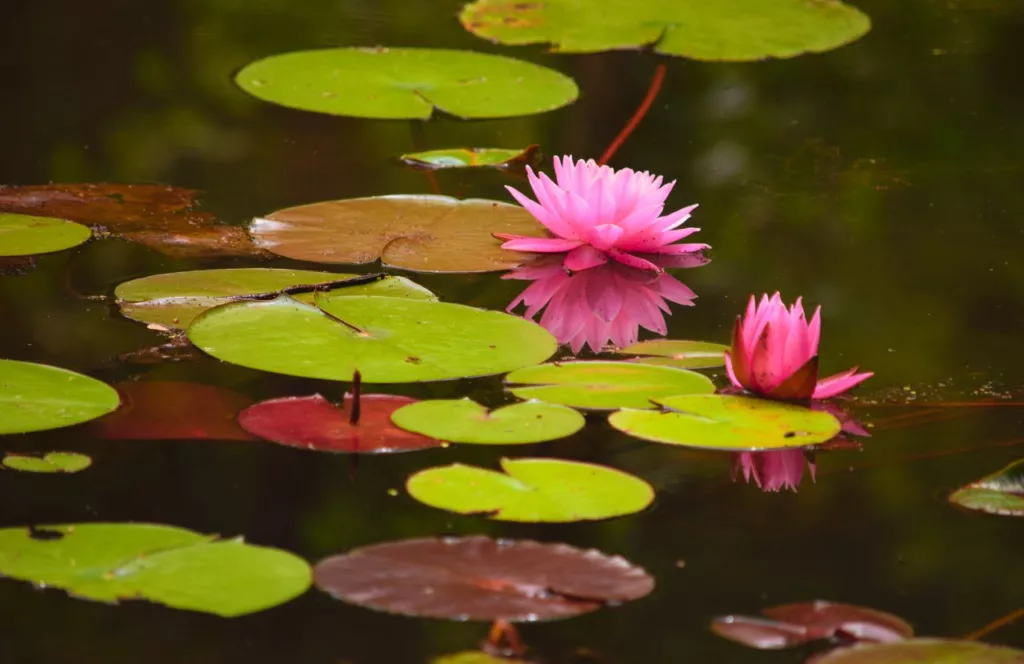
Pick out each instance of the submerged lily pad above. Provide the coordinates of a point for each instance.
(678, 353)
(478, 578)
(999, 493)
(387, 339)
(424, 233)
(501, 158)
(465, 421)
(724, 422)
(604, 385)
(475, 657)
(532, 490)
(51, 462)
(25, 235)
(406, 83)
(36, 397)
(173, 300)
(172, 566)
(917, 651)
(732, 30)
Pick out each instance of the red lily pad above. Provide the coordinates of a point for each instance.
(314, 423)
(478, 578)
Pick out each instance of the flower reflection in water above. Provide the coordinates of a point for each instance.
(774, 470)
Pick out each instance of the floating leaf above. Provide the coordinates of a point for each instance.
(387, 339)
(475, 657)
(677, 353)
(500, 158)
(727, 423)
(477, 578)
(173, 300)
(532, 490)
(172, 566)
(424, 233)
(36, 397)
(24, 235)
(394, 83)
(465, 421)
(731, 30)
(999, 493)
(51, 462)
(604, 385)
(918, 651)
(314, 423)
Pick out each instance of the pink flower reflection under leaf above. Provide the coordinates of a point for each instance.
(774, 470)
(602, 304)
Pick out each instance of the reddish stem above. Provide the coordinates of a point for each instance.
(356, 410)
(994, 625)
(641, 111)
(504, 640)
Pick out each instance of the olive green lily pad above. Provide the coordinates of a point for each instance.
(916, 651)
(532, 490)
(36, 397)
(724, 422)
(25, 235)
(465, 421)
(604, 385)
(424, 233)
(730, 30)
(678, 353)
(387, 339)
(172, 566)
(998, 493)
(51, 462)
(501, 158)
(475, 657)
(395, 83)
(173, 300)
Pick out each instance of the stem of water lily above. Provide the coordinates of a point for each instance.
(355, 411)
(641, 111)
(504, 640)
(994, 625)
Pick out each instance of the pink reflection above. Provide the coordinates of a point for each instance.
(774, 470)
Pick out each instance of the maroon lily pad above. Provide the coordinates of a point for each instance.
(314, 423)
(478, 578)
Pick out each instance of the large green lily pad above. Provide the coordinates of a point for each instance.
(475, 657)
(24, 235)
(406, 83)
(424, 233)
(501, 158)
(387, 339)
(51, 462)
(532, 490)
(172, 566)
(918, 651)
(998, 493)
(604, 385)
(724, 422)
(173, 300)
(465, 421)
(678, 353)
(36, 397)
(732, 30)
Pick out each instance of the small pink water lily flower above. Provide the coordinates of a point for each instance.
(774, 470)
(595, 213)
(774, 353)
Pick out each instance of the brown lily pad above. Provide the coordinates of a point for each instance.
(919, 651)
(478, 578)
(424, 233)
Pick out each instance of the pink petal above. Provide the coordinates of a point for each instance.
(584, 257)
(633, 261)
(544, 245)
(839, 383)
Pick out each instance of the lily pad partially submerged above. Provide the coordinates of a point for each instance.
(916, 651)
(465, 421)
(37, 397)
(500, 158)
(25, 235)
(678, 353)
(999, 493)
(51, 462)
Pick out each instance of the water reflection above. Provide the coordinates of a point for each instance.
(775, 470)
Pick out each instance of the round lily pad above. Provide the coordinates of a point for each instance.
(678, 353)
(998, 493)
(387, 339)
(423, 233)
(173, 300)
(731, 30)
(51, 462)
(36, 397)
(465, 421)
(500, 158)
(475, 657)
(532, 490)
(604, 385)
(172, 566)
(395, 83)
(916, 651)
(24, 235)
(725, 422)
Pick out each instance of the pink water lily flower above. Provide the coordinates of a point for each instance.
(774, 353)
(595, 213)
(774, 470)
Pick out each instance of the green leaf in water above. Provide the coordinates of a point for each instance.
(24, 235)
(678, 353)
(475, 657)
(36, 397)
(465, 421)
(51, 462)
(501, 158)
(999, 493)
(917, 651)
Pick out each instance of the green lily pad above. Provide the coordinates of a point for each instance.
(501, 158)
(723, 422)
(51, 462)
(678, 353)
(413, 232)
(604, 385)
(24, 235)
(998, 493)
(731, 30)
(36, 397)
(173, 300)
(532, 490)
(475, 657)
(395, 83)
(465, 421)
(387, 339)
(172, 566)
(915, 651)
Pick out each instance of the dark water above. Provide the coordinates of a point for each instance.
(882, 180)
